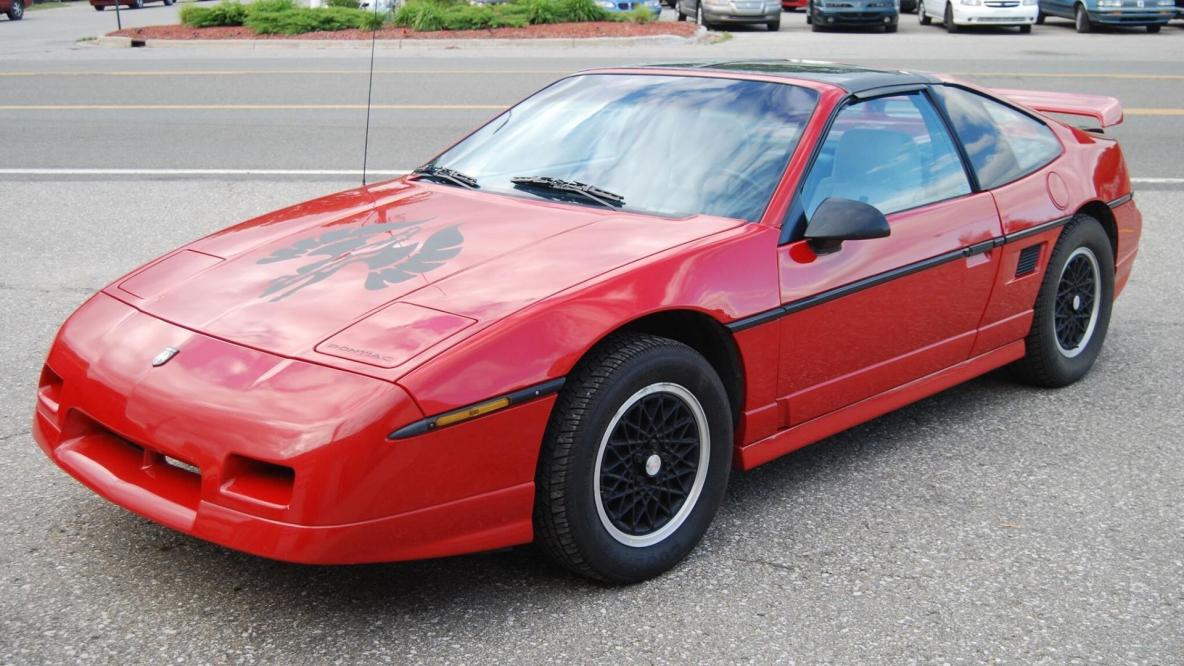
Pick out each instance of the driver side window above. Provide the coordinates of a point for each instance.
(891, 152)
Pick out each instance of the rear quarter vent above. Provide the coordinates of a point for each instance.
(1028, 260)
(257, 481)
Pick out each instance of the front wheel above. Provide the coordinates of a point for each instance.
(1025, 29)
(635, 460)
(774, 26)
(890, 28)
(922, 17)
(1153, 29)
(17, 11)
(99, 8)
(137, 4)
(1039, 17)
(1072, 311)
(951, 27)
(1081, 20)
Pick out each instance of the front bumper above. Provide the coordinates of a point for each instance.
(1117, 16)
(1005, 14)
(855, 17)
(276, 457)
(742, 12)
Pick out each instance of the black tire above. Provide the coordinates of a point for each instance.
(137, 4)
(1025, 29)
(890, 28)
(1081, 20)
(951, 27)
(921, 15)
(99, 8)
(678, 8)
(809, 14)
(168, 3)
(774, 26)
(1052, 360)
(1153, 28)
(673, 4)
(570, 517)
(17, 11)
(1039, 17)
(700, 19)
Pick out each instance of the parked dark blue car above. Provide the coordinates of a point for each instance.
(1086, 14)
(823, 14)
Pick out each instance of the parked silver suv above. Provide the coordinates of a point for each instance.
(714, 13)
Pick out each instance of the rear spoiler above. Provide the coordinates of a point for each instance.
(1106, 110)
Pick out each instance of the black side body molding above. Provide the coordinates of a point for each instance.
(880, 278)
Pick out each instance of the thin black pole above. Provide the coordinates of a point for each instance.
(369, 93)
(118, 19)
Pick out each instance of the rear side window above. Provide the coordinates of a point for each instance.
(891, 152)
(1003, 144)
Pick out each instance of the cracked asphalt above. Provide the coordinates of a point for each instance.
(990, 523)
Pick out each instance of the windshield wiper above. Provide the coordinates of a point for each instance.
(591, 192)
(444, 174)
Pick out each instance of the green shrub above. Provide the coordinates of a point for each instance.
(348, 4)
(229, 12)
(542, 11)
(578, 11)
(422, 16)
(297, 20)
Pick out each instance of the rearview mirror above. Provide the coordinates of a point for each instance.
(837, 220)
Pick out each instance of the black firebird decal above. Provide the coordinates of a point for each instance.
(387, 250)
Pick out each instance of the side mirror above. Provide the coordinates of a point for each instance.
(837, 220)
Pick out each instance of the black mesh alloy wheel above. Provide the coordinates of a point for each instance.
(635, 460)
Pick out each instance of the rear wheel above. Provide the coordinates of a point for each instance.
(1039, 17)
(949, 19)
(635, 460)
(99, 8)
(1072, 311)
(922, 17)
(137, 4)
(1153, 28)
(17, 11)
(1081, 20)
(774, 26)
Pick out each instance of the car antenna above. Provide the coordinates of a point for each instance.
(369, 91)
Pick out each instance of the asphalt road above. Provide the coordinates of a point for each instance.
(991, 522)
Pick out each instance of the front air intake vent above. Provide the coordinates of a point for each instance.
(1029, 257)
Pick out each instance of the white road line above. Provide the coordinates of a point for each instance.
(201, 172)
(310, 172)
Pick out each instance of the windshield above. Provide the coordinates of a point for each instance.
(667, 145)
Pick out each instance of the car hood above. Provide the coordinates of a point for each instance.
(419, 262)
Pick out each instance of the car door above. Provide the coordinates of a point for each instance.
(877, 313)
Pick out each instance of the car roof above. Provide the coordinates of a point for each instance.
(851, 78)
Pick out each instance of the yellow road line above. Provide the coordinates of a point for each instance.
(481, 72)
(289, 72)
(249, 107)
(1076, 75)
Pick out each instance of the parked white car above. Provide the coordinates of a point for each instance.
(956, 14)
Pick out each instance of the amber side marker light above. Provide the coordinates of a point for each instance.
(471, 412)
(478, 409)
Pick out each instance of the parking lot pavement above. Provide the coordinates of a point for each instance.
(991, 521)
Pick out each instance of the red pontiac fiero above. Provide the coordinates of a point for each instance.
(569, 326)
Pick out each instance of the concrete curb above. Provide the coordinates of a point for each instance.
(700, 37)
